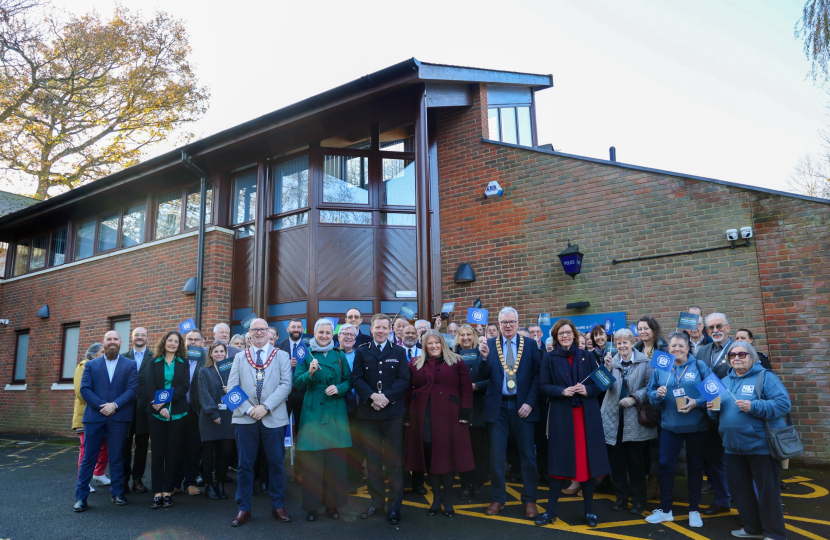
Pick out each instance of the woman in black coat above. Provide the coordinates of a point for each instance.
(466, 346)
(171, 372)
(215, 421)
(573, 415)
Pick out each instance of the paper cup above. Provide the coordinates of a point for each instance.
(681, 402)
(716, 404)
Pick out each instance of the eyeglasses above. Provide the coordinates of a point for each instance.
(344, 335)
(258, 330)
(742, 355)
(716, 327)
(508, 323)
(565, 334)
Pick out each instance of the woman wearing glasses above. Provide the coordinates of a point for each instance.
(757, 397)
(574, 415)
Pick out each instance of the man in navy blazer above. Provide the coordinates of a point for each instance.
(511, 403)
(108, 385)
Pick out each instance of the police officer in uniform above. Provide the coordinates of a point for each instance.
(380, 378)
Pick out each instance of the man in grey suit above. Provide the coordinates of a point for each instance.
(264, 374)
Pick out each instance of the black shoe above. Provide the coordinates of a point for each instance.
(591, 520)
(332, 513)
(212, 492)
(420, 490)
(637, 509)
(620, 504)
(221, 491)
(707, 488)
(167, 501)
(370, 513)
(434, 510)
(200, 482)
(156, 504)
(394, 517)
(544, 519)
(478, 494)
(80, 505)
(120, 500)
(465, 495)
(716, 509)
(449, 513)
(311, 516)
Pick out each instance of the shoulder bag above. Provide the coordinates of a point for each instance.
(784, 443)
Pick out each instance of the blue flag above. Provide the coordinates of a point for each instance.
(407, 311)
(477, 303)
(301, 352)
(246, 322)
(477, 315)
(234, 398)
(544, 319)
(195, 353)
(334, 321)
(165, 395)
(186, 326)
(710, 387)
(662, 361)
(603, 378)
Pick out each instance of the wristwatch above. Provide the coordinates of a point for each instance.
(266, 408)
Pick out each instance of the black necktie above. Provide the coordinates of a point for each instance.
(259, 381)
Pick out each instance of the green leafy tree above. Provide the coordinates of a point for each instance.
(814, 29)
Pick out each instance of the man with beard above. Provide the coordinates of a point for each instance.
(140, 427)
(188, 476)
(295, 398)
(108, 386)
(714, 456)
(413, 349)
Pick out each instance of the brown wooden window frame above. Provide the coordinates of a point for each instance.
(16, 350)
(29, 242)
(66, 327)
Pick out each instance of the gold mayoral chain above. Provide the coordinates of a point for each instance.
(260, 369)
(510, 384)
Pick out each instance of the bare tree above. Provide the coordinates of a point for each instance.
(811, 177)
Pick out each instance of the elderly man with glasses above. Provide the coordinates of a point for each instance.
(511, 403)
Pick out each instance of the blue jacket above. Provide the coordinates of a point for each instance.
(527, 379)
(691, 373)
(746, 433)
(96, 389)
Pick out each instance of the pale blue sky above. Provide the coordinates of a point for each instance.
(712, 88)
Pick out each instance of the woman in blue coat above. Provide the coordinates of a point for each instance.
(573, 415)
(756, 397)
(683, 419)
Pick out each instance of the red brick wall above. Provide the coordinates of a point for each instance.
(612, 212)
(145, 284)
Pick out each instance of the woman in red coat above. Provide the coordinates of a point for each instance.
(440, 405)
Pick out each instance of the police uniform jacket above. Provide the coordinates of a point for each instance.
(390, 368)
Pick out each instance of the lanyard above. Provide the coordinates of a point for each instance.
(674, 371)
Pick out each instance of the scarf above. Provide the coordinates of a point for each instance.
(571, 371)
(316, 348)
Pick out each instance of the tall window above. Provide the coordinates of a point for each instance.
(21, 259)
(132, 226)
(399, 182)
(511, 125)
(169, 220)
(108, 232)
(194, 194)
(122, 326)
(291, 185)
(57, 248)
(4, 250)
(244, 201)
(39, 246)
(346, 179)
(84, 240)
(21, 354)
(71, 335)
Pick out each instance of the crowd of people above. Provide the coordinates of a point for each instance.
(489, 403)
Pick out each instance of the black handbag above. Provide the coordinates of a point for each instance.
(784, 443)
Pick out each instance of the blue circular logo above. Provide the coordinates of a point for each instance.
(235, 398)
(300, 352)
(663, 361)
(163, 396)
(712, 387)
(478, 315)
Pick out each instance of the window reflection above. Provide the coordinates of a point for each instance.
(132, 228)
(21, 259)
(108, 232)
(346, 179)
(57, 249)
(4, 250)
(84, 240)
(399, 182)
(291, 185)
(38, 252)
(169, 220)
(345, 217)
(508, 125)
(245, 197)
(493, 124)
(395, 219)
(291, 221)
(525, 132)
(194, 193)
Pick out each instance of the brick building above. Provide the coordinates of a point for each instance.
(373, 193)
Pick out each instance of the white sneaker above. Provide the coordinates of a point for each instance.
(694, 519)
(658, 516)
(102, 480)
(91, 489)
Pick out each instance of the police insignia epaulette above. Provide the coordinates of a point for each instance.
(364, 344)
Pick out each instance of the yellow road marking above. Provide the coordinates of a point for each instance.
(684, 531)
(808, 534)
(818, 491)
(807, 520)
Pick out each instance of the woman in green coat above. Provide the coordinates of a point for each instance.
(324, 424)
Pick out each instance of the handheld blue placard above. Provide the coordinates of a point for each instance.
(711, 387)
(195, 353)
(165, 395)
(234, 398)
(246, 322)
(477, 303)
(446, 309)
(662, 361)
(477, 315)
(186, 326)
(301, 352)
(544, 319)
(603, 378)
(407, 311)
(688, 321)
(634, 330)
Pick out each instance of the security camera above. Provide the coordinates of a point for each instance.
(731, 234)
(746, 232)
